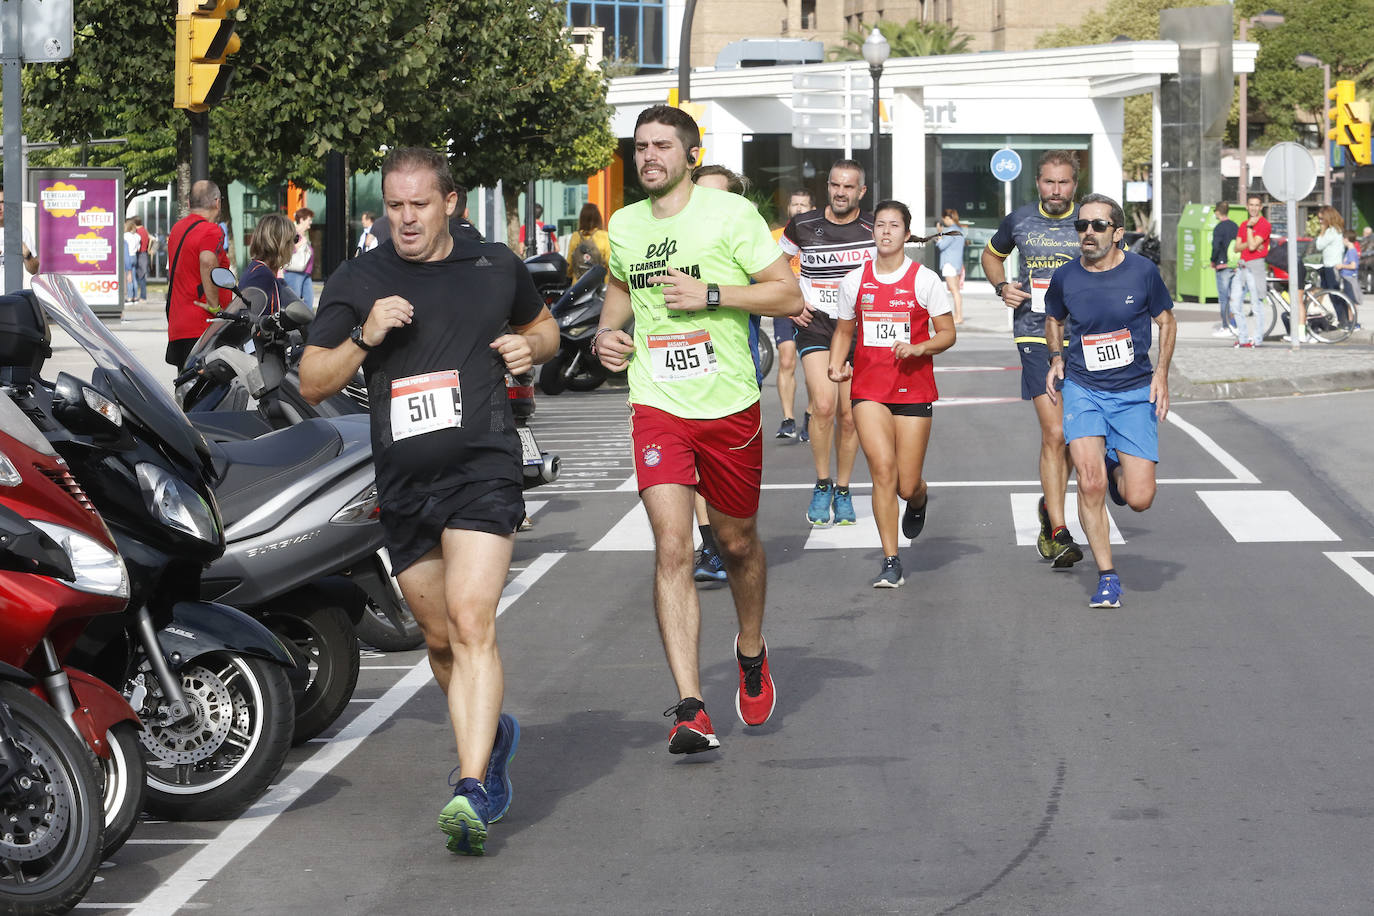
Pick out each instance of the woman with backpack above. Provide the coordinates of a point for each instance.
(589, 246)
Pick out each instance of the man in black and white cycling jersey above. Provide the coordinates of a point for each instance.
(1043, 235)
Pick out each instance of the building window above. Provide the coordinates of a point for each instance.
(633, 30)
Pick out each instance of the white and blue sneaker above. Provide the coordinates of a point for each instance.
(1108, 592)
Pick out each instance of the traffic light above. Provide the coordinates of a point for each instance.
(205, 40)
(1358, 131)
(1342, 94)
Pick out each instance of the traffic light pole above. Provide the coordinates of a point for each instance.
(200, 145)
(1347, 188)
(12, 66)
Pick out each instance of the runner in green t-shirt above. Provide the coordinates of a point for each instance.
(681, 263)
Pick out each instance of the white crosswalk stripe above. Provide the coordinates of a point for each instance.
(1265, 516)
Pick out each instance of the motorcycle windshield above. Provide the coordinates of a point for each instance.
(139, 394)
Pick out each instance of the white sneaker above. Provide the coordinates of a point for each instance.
(1302, 339)
(1221, 331)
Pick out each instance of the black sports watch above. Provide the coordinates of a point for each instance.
(356, 335)
(997, 287)
(712, 297)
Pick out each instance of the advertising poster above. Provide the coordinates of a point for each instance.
(81, 231)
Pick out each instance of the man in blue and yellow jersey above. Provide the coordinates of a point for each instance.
(1043, 235)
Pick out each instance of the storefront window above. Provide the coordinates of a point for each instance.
(633, 29)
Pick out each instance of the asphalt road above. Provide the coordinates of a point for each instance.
(979, 741)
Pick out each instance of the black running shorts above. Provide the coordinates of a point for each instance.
(415, 527)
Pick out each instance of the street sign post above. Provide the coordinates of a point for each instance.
(1289, 174)
(1006, 166)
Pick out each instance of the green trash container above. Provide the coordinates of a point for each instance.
(1196, 279)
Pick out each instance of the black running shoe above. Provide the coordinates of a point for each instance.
(1066, 552)
(914, 518)
(1044, 542)
(1112, 490)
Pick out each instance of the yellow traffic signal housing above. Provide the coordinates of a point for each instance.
(1357, 130)
(205, 40)
(1342, 94)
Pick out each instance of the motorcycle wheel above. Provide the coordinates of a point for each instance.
(380, 631)
(50, 847)
(765, 353)
(590, 373)
(125, 783)
(324, 636)
(217, 762)
(551, 378)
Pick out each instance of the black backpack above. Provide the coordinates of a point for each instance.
(585, 256)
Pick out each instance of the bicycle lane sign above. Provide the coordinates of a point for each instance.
(1005, 165)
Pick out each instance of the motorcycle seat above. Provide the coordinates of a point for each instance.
(251, 471)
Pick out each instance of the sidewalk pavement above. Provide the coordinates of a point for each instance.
(1204, 367)
(1209, 368)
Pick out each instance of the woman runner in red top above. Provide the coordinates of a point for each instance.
(893, 302)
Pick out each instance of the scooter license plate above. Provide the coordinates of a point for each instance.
(529, 449)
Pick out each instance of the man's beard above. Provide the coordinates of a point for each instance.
(1048, 207)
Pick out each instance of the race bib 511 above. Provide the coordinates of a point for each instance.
(424, 403)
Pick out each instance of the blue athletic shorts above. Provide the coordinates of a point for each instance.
(1126, 419)
(784, 331)
(1035, 366)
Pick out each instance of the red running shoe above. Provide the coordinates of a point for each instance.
(692, 732)
(755, 698)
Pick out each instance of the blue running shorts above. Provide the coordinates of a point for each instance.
(1126, 419)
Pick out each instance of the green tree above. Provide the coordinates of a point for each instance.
(1337, 31)
(913, 38)
(516, 111)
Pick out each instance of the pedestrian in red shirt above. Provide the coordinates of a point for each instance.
(192, 299)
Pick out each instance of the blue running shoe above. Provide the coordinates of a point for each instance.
(818, 513)
(710, 568)
(465, 820)
(844, 507)
(1108, 592)
(804, 428)
(497, 782)
(1112, 491)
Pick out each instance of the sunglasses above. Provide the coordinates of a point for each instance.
(1099, 225)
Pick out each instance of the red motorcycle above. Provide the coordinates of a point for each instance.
(46, 606)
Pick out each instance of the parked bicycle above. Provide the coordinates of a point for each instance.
(1331, 316)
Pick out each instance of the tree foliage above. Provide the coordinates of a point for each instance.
(913, 38)
(492, 80)
(1336, 31)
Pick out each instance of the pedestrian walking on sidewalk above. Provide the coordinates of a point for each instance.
(890, 303)
(1224, 261)
(681, 264)
(1113, 399)
(436, 323)
(192, 298)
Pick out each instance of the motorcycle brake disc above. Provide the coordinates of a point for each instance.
(202, 733)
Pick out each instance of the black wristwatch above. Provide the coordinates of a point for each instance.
(997, 287)
(356, 335)
(712, 297)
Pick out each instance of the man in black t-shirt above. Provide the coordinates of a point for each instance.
(435, 322)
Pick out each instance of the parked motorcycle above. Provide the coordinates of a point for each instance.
(73, 574)
(209, 682)
(50, 823)
(578, 313)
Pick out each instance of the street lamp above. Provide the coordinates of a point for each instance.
(1306, 61)
(1265, 20)
(876, 50)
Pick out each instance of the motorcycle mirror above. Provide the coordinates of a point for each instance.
(296, 315)
(83, 410)
(224, 278)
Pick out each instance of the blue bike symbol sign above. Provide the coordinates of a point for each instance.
(1006, 165)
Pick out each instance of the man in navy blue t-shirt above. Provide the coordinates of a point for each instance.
(1113, 398)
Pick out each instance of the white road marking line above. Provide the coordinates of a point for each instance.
(632, 532)
(1265, 516)
(190, 878)
(1210, 446)
(1348, 563)
(386, 667)
(862, 535)
(1026, 519)
(363, 700)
